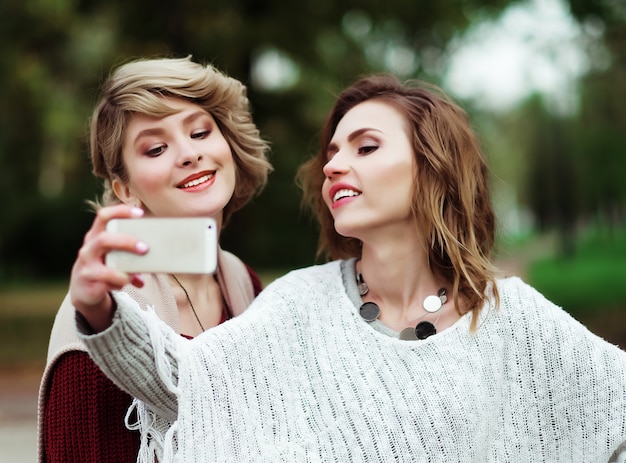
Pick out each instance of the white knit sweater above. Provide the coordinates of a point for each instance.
(300, 377)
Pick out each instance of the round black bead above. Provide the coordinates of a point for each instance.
(369, 311)
(424, 330)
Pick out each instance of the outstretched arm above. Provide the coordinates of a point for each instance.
(113, 326)
(126, 353)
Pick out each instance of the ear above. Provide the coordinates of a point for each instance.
(124, 193)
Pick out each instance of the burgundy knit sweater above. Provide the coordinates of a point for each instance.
(84, 416)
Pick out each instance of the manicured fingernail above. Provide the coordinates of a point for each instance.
(137, 280)
(136, 212)
(141, 246)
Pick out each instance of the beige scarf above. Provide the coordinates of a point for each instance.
(232, 277)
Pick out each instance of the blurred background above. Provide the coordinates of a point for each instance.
(543, 80)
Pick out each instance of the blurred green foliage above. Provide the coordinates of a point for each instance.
(54, 54)
(589, 284)
(590, 281)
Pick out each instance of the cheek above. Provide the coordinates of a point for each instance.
(151, 186)
(404, 188)
(148, 185)
(230, 170)
(231, 179)
(222, 149)
(394, 186)
(226, 158)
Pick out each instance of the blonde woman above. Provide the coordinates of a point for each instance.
(170, 138)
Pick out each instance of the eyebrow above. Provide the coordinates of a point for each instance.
(158, 130)
(332, 147)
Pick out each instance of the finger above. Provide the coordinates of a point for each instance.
(94, 250)
(119, 211)
(90, 285)
(91, 279)
(115, 279)
(136, 280)
(105, 214)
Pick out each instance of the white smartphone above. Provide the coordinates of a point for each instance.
(176, 245)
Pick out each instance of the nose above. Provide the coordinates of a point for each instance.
(192, 159)
(188, 154)
(335, 166)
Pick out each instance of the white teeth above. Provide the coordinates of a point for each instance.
(344, 193)
(197, 181)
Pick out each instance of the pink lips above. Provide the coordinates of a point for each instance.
(341, 194)
(197, 181)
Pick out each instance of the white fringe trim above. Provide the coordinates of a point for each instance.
(158, 436)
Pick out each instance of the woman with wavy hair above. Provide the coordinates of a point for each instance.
(407, 346)
(170, 138)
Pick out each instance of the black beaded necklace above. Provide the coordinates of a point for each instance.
(370, 311)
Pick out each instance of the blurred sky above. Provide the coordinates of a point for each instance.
(535, 46)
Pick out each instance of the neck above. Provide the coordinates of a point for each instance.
(199, 301)
(398, 281)
(399, 291)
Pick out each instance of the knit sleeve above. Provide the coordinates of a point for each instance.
(576, 379)
(84, 416)
(139, 363)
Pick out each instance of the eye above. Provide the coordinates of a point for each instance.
(156, 151)
(367, 149)
(200, 134)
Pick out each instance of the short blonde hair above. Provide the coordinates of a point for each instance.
(139, 87)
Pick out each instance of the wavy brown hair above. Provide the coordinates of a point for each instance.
(140, 86)
(451, 203)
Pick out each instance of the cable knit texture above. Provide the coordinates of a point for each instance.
(301, 377)
(87, 400)
(81, 412)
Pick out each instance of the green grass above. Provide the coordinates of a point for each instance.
(582, 285)
(590, 285)
(591, 280)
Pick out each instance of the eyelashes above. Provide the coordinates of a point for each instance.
(160, 149)
(156, 151)
(362, 142)
(201, 134)
(367, 149)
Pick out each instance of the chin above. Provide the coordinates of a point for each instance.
(346, 231)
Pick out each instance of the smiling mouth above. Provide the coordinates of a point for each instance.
(198, 181)
(344, 193)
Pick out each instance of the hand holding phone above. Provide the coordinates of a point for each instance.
(176, 245)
